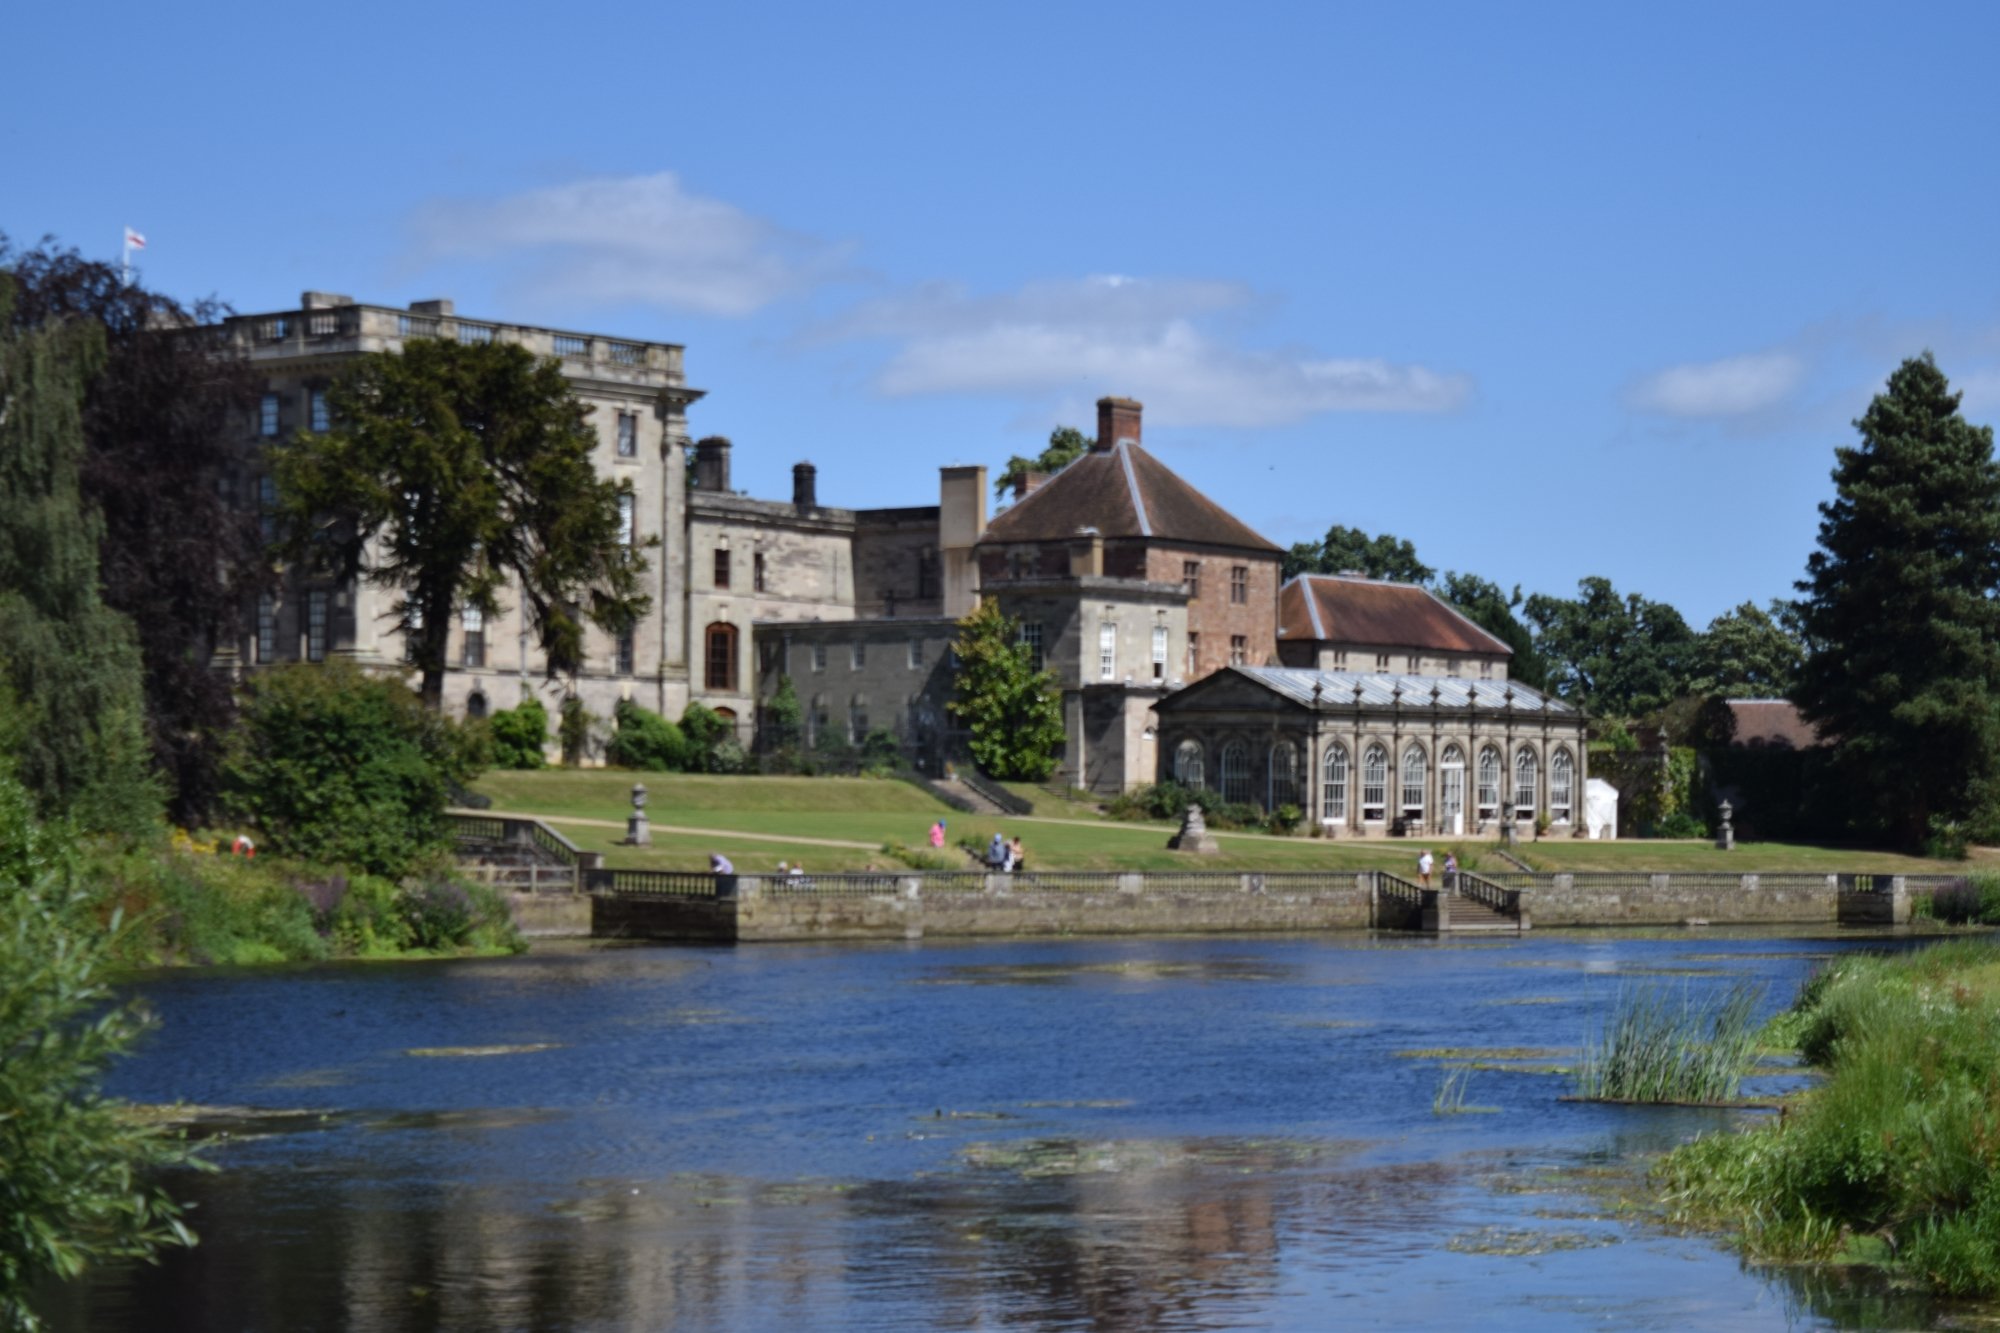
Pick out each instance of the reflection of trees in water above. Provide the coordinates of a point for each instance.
(1127, 1235)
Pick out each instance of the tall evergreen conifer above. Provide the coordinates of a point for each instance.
(1900, 618)
(70, 663)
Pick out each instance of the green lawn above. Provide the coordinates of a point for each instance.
(1063, 833)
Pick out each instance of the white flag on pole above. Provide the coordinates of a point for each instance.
(133, 240)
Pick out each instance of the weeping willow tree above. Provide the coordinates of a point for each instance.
(70, 664)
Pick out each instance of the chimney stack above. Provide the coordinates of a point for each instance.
(711, 464)
(805, 485)
(1027, 483)
(1117, 419)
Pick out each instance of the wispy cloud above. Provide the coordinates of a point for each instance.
(1735, 386)
(1145, 337)
(632, 239)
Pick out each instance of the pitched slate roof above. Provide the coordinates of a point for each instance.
(1381, 690)
(1122, 491)
(1340, 608)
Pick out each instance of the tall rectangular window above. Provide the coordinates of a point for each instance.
(1031, 634)
(916, 653)
(316, 625)
(1107, 650)
(628, 435)
(1239, 583)
(757, 580)
(317, 413)
(1159, 652)
(1194, 654)
(1191, 578)
(267, 628)
(1413, 663)
(722, 566)
(267, 415)
(857, 655)
(819, 657)
(472, 635)
(625, 653)
(1239, 650)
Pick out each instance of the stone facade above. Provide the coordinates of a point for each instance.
(636, 397)
(1370, 755)
(857, 676)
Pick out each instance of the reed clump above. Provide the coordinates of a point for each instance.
(1664, 1044)
(1895, 1158)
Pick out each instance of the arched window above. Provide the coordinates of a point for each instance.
(722, 657)
(1562, 786)
(1333, 786)
(1235, 772)
(1187, 765)
(816, 720)
(1413, 782)
(1374, 783)
(1525, 804)
(857, 719)
(1451, 789)
(1489, 783)
(475, 704)
(1282, 776)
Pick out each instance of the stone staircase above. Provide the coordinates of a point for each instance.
(1471, 914)
(974, 802)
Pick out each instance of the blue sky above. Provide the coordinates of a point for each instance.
(1550, 290)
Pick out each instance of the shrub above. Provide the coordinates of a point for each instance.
(519, 733)
(646, 740)
(1285, 820)
(453, 914)
(369, 920)
(1679, 824)
(921, 858)
(340, 767)
(574, 729)
(1946, 839)
(1163, 800)
(705, 730)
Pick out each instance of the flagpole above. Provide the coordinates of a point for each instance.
(128, 257)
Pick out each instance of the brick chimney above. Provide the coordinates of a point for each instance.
(1117, 419)
(1027, 483)
(805, 485)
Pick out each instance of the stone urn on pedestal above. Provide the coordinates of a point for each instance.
(1194, 835)
(637, 832)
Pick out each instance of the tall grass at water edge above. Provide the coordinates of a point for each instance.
(1895, 1158)
(1664, 1045)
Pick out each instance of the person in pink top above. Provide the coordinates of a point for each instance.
(937, 834)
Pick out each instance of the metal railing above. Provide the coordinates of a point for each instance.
(1474, 888)
(994, 792)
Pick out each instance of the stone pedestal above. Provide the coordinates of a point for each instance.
(1725, 833)
(638, 833)
(1194, 835)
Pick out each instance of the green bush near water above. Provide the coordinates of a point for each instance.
(1895, 1159)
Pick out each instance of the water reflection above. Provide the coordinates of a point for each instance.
(1176, 1134)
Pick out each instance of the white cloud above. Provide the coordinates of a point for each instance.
(639, 239)
(1734, 386)
(1139, 337)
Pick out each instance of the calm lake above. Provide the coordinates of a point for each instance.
(1075, 1134)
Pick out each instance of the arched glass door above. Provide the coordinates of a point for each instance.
(1451, 791)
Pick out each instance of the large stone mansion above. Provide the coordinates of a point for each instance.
(1129, 584)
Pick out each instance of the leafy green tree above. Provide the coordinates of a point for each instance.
(1066, 445)
(335, 765)
(1610, 654)
(1901, 613)
(451, 469)
(1012, 711)
(70, 663)
(1486, 606)
(1746, 652)
(1345, 550)
(179, 553)
(784, 718)
(519, 733)
(76, 1171)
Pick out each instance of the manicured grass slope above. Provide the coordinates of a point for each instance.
(1061, 834)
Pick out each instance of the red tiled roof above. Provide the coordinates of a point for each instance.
(1338, 608)
(1122, 491)
(1771, 724)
